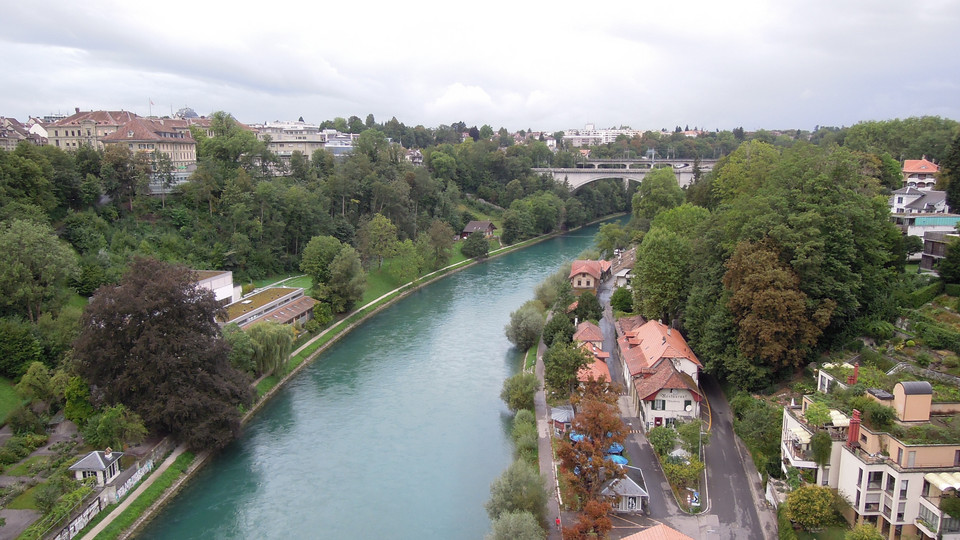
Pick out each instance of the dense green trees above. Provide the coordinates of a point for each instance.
(526, 325)
(151, 343)
(798, 254)
(475, 246)
(518, 489)
(518, 391)
(659, 191)
(561, 363)
(810, 506)
(35, 267)
(516, 526)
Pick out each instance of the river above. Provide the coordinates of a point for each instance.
(396, 431)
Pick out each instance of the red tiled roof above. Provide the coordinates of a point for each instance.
(919, 166)
(593, 268)
(658, 532)
(665, 377)
(587, 331)
(627, 324)
(594, 370)
(644, 347)
(111, 118)
(142, 129)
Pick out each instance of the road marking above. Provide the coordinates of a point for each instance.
(709, 409)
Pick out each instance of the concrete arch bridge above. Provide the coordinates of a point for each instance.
(593, 170)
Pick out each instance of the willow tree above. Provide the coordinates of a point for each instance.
(272, 343)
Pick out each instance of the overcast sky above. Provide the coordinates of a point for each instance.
(518, 64)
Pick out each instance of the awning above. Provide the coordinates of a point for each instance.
(838, 419)
(801, 435)
(943, 480)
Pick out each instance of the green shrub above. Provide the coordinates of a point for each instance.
(23, 421)
(910, 343)
(952, 289)
(923, 359)
(786, 530)
(923, 295)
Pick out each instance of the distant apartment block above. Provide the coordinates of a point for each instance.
(590, 136)
(284, 138)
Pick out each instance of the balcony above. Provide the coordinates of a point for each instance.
(934, 523)
(797, 456)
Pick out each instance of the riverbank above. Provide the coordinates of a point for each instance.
(322, 342)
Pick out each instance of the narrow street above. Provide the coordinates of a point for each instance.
(733, 494)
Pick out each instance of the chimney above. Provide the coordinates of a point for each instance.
(77, 109)
(853, 432)
(668, 330)
(852, 379)
(107, 452)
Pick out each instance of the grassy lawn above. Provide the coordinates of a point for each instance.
(24, 501)
(303, 281)
(271, 280)
(9, 400)
(531, 359)
(379, 283)
(912, 268)
(23, 468)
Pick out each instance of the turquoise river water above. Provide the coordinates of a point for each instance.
(395, 432)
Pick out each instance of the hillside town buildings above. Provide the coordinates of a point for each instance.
(662, 373)
(896, 478)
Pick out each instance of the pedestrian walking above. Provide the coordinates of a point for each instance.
(558, 523)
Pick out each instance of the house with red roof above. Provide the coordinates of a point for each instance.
(169, 137)
(587, 332)
(662, 373)
(586, 275)
(597, 367)
(590, 339)
(86, 128)
(919, 173)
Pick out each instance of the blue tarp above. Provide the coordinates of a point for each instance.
(576, 437)
(619, 460)
(614, 448)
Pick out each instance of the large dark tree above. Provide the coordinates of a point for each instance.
(151, 343)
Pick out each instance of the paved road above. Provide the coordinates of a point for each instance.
(735, 491)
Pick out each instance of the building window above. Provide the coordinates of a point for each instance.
(891, 480)
(659, 405)
(899, 200)
(903, 488)
(687, 403)
(874, 480)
